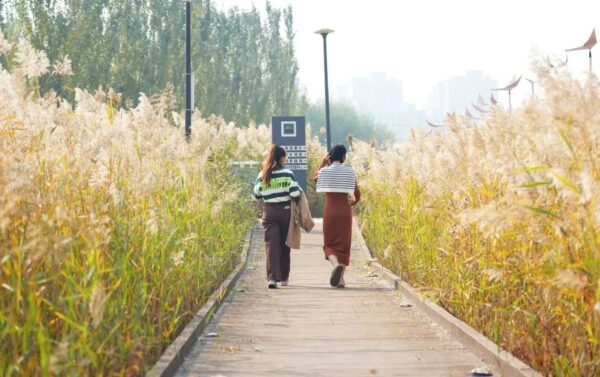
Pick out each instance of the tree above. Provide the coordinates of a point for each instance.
(245, 70)
(345, 121)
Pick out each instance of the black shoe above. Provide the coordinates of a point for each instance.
(272, 284)
(336, 275)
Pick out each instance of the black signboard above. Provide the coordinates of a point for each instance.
(289, 132)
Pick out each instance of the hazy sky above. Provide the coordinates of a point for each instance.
(422, 42)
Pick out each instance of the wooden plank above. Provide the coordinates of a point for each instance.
(312, 329)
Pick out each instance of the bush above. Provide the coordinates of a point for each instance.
(498, 221)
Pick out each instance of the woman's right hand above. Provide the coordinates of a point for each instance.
(325, 161)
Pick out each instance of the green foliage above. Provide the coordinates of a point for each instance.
(345, 120)
(316, 152)
(249, 71)
(504, 287)
(244, 68)
(143, 303)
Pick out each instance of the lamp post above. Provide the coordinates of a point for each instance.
(324, 33)
(532, 87)
(188, 70)
(508, 88)
(591, 42)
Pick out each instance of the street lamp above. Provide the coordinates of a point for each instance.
(532, 87)
(188, 70)
(591, 42)
(324, 33)
(508, 88)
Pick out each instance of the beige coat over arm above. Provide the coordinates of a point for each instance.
(300, 218)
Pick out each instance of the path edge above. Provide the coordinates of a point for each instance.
(173, 357)
(507, 364)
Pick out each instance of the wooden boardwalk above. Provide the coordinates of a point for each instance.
(311, 329)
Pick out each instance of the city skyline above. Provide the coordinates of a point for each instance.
(424, 43)
(381, 97)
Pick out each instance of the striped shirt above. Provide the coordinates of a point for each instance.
(283, 187)
(336, 178)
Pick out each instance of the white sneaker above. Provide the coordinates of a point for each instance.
(284, 283)
(272, 284)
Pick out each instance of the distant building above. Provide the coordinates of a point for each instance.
(410, 117)
(458, 92)
(379, 96)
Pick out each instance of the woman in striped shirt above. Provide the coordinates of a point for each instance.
(338, 182)
(277, 186)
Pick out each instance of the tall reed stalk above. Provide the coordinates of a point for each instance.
(113, 229)
(499, 221)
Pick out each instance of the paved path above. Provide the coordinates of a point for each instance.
(311, 329)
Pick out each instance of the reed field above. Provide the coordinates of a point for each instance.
(113, 229)
(498, 221)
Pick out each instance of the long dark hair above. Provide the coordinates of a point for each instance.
(337, 153)
(271, 162)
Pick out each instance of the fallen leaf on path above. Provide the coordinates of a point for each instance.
(481, 372)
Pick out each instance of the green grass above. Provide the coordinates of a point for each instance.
(110, 305)
(504, 286)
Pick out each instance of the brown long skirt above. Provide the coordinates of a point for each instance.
(337, 227)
